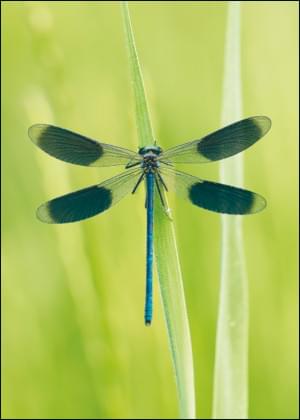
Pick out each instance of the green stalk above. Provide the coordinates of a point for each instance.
(231, 363)
(167, 261)
(145, 132)
(172, 293)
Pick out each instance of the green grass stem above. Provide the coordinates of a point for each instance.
(145, 132)
(167, 261)
(231, 360)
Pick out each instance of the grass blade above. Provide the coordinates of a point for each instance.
(172, 293)
(167, 261)
(143, 122)
(231, 362)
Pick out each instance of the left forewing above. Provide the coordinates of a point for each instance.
(74, 148)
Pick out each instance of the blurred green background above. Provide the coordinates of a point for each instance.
(74, 342)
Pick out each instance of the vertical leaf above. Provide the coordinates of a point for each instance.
(143, 122)
(167, 261)
(231, 363)
(172, 293)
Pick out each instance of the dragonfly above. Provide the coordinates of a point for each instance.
(157, 170)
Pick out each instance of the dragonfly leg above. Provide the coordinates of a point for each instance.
(146, 200)
(161, 196)
(162, 181)
(138, 182)
(131, 165)
(160, 193)
(166, 162)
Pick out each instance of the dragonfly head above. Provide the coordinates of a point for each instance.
(151, 150)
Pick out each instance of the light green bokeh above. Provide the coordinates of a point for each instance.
(74, 342)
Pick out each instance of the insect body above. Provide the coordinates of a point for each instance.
(157, 169)
(150, 170)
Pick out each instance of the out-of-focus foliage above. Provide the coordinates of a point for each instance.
(74, 342)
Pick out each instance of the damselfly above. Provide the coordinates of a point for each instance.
(157, 169)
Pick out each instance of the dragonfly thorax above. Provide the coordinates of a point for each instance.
(150, 158)
(149, 162)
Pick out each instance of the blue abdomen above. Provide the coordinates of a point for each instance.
(149, 256)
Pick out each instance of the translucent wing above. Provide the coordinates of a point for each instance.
(212, 196)
(77, 149)
(221, 144)
(82, 204)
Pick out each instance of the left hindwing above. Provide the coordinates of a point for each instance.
(88, 202)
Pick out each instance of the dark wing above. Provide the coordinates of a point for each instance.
(221, 144)
(77, 149)
(82, 204)
(212, 196)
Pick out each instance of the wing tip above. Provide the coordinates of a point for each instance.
(265, 123)
(42, 214)
(258, 205)
(35, 130)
